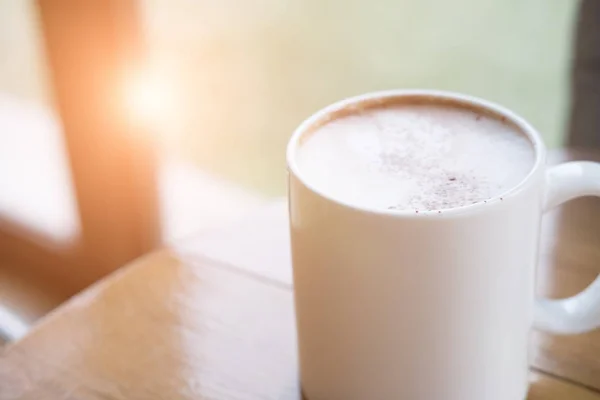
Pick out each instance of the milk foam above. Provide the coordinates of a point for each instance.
(419, 157)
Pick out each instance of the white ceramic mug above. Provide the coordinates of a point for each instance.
(396, 305)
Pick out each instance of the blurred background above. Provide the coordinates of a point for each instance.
(128, 124)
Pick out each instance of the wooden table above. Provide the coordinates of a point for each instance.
(212, 318)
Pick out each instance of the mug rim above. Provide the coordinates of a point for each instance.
(526, 129)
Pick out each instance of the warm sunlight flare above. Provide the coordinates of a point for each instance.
(149, 98)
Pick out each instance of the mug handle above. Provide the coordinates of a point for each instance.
(580, 313)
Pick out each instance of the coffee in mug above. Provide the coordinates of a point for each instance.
(414, 156)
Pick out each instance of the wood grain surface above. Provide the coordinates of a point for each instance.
(213, 319)
(171, 328)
